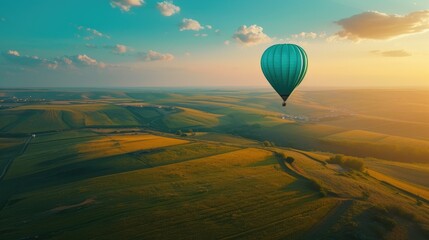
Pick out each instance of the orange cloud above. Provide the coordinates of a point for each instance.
(392, 53)
(377, 25)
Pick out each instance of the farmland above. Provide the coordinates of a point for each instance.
(205, 164)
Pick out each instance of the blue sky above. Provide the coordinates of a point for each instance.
(127, 43)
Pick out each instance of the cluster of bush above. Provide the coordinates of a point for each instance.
(267, 143)
(190, 132)
(347, 162)
(283, 157)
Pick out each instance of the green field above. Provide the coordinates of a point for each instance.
(206, 164)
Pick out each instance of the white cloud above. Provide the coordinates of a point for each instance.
(226, 42)
(126, 5)
(65, 60)
(209, 27)
(310, 35)
(13, 52)
(156, 56)
(80, 60)
(91, 33)
(167, 8)
(302, 37)
(190, 24)
(251, 35)
(15, 57)
(120, 49)
(84, 59)
(377, 25)
(117, 48)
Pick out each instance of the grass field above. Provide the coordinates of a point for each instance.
(202, 192)
(361, 189)
(47, 156)
(189, 189)
(39, 118)
(364, 143)
(9, 148)
(412, 173)
(225, 138)
(108, 164)
(191, 118)
(424, 193)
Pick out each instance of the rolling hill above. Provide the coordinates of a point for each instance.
(131, 185)
(112, 164)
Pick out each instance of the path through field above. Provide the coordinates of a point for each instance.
(321, 229)
(7, 167)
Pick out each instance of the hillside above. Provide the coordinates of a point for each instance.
(206, 164)
(142, 184)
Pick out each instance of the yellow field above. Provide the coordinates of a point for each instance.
(366, 136)
(399, 184)
(358, 135)
(224, 138)
(61, 107)
(240, 194)
(116, 145)
(369, 144)
(191, 117)
(46, 154)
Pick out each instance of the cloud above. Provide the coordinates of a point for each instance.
(167, 8)
(80, 60)
(309, 35)
(392, 53)
(209, 27)
(126, 5)
(226, 42)
(252, 35)
(15, 57)
(380, 26)
(118, 48)
(190, 24)
(13, 53)
(151, 56)
(92, 33)
(85, 60)
(200, 34)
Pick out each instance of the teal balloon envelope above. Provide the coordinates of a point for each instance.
(284, 66)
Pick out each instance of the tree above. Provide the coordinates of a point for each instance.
(266, 143)
(290, 160)
(191, 132)
(347, 162)
(179, 132)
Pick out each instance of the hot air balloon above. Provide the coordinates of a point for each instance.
(284, 66)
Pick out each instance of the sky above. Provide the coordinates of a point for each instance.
(194, 43)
